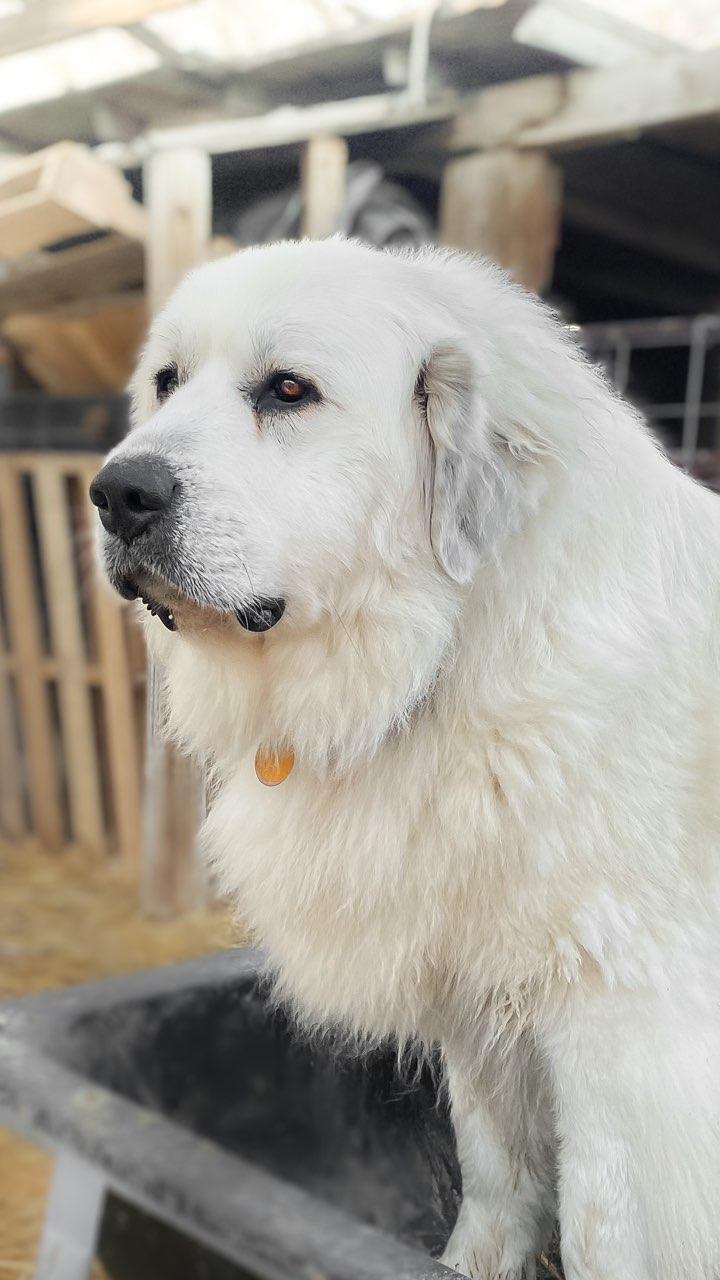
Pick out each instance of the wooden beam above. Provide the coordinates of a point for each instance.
(324, 173)
(45, 21)
(284, 127)
(587, 107)
(505, 205)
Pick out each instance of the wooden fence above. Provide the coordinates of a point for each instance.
(71, 668)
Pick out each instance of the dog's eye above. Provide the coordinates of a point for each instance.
(286, 390)
(289, 390)
(166, 381)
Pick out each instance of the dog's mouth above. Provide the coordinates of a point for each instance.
(257, 615)
(130, 589)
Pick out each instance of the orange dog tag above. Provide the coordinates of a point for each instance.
(273, 767)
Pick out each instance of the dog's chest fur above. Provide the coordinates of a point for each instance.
(433, 881)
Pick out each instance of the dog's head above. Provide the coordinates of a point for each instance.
(316, 424)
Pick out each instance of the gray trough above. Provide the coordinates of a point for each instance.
(188, 1122)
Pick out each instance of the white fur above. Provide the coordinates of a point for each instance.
(501, 681)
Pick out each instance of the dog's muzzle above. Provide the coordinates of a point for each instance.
(136, 500)
(133, 494)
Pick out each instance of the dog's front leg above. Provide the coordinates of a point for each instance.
(636, 1078)
(502, 1125)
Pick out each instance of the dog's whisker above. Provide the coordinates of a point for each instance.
(340, 619)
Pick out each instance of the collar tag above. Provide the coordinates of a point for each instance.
(273, 767)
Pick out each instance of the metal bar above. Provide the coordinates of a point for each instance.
(668, 331)
(621, 364)
(72, 1220)
(705, 410)
(693, 390)
(419, 54)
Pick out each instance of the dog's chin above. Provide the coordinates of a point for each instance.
(176, 611)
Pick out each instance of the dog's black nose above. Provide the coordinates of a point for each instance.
(133, 493)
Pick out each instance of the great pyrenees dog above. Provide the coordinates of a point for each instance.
(411, 560)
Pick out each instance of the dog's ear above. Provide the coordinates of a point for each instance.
(449, 406)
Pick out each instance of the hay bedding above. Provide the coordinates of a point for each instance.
(63, 920)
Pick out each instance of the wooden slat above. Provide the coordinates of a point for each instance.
(12, 817)
(52, 668)
(81, 764)
(24, 623)
(122, 736)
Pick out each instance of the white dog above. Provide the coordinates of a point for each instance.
(406, 537)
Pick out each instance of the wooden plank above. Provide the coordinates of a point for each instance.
(63, 191)
(582, 108)
(178, 189)
(82, 349)
(94, 189)
(122, 740)
(78, 735)
(45, 21)
(23, 617)
(505, 205)
(34, 219)
(41, 281)
(323, 182)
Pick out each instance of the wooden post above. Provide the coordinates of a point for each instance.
(506, 205)
(323, 177)
(178, 193)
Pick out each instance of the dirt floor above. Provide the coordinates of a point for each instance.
(65, 920)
